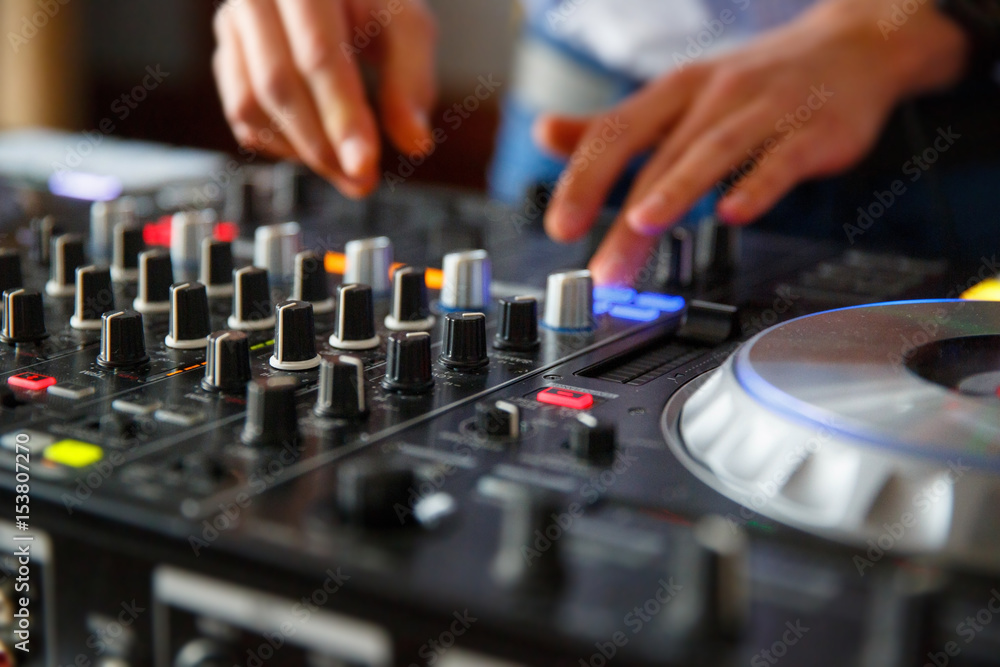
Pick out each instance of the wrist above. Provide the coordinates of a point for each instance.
(919, 51)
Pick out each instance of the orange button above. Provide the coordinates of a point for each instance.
(31, 381)
(565, 398)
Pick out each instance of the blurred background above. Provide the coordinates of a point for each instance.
(73, 71)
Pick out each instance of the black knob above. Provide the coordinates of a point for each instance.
(312, 283)
(216, 267)
(23, 317)
(408, 363)
(498, 420)
(370, 494)
(126, 247)
(410, 310)
(527, 513)
(156, 275)
(517, 329)
(355, 318)
(227, 366)
(190, 322)
(251, 300)
(123, 341)
(272, 419)
(94, 297)
(42, 232)
(464, 344)
(10, 270)
(593, 441)
(294, 337)
(66, 256)
(341, 388)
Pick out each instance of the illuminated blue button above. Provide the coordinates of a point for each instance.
(614, 294)
(661, 302)
(601, 307)
(634, 313)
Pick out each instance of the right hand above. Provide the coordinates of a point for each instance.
(289, 79)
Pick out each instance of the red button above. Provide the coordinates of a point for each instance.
(565, 398)
(31, 381)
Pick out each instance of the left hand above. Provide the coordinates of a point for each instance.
(806, 100)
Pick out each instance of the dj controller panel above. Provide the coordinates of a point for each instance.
(292, 429)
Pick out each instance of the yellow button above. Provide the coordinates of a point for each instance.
(988, 290)
(74, 453)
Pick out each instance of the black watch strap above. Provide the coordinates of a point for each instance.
(981, 21)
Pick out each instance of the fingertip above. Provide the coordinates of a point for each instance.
(357, 157)
(649, 217)
(736, 209)
(609, 272)
(566, 222)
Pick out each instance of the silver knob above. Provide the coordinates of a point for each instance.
(569, 301)
(104, 217)
(275, 248)
(187, 231)
(368, 263)
(467, 277)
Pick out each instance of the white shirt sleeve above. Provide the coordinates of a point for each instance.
(646, 38)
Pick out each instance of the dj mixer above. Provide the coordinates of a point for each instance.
(254, 423)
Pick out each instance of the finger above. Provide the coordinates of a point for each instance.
(319, 28)
(799, 159)
(605, 149)
(679, 184)
(408, 85)
(559, 135)
(623, 256)
(247, 120)
(282, 93)
(723, 95)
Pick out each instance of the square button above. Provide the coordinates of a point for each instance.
(74, 453)
(661, 302)
(31, 381)
(565, 398)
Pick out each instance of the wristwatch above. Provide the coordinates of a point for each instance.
(980, 19)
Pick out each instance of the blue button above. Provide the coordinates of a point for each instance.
(601, 307)
(635, 314)
(661, 302)
(614, 294)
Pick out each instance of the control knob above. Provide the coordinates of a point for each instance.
(294, 337)
(227, 366)
(123, 340)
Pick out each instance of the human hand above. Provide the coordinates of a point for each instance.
(288, 75)
(804, 101)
